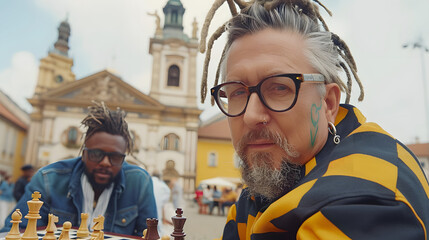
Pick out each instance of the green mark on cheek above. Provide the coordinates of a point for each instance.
(314, 122)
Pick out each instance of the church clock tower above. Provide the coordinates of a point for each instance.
(174, 59)
(174, 84)
(55, 69)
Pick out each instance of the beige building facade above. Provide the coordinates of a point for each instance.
(163, 124)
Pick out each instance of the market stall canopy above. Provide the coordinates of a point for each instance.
(221, 182)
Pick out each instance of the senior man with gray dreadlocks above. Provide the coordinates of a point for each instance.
(314, 168)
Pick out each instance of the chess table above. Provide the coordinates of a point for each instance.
(72, 234)
(51, 230)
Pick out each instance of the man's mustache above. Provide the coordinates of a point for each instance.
(254, 135)
(266, 133)
(103, 171)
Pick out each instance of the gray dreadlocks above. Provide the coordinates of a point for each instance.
(324, 47)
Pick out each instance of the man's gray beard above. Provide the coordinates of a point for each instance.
(267, 182)
(261, 177)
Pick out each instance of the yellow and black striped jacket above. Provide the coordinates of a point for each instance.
(370, 186)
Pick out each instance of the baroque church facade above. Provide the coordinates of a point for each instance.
(163, 124)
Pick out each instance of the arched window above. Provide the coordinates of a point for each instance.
(212, 159)
(174, 16)
(166, 143)
(173, 76)
(72, 135)
(171, 142)
(59, 79)
(176, 143)
(136, 140)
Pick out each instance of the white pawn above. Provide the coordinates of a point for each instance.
(65, 232)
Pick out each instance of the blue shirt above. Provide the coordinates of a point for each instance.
(6, 190)
(131, 202)
(217, 194)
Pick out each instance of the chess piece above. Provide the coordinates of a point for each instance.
(98, 227)
(50, 229)
(101, 236)
(83, 231)
(34, 206)
(165, 237)
(178, 223)
(14, 231)
(152, 229)
(65, 232)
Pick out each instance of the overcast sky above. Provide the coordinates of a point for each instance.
(115, 34)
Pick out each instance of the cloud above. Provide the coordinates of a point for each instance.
(20, 78)
(112, 34)
(375, 32)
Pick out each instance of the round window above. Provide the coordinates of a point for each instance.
(59, 79)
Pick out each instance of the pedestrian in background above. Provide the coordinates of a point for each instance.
(6, 198)
(19, 189)
(162, 196)
(176, 193)
(216, 202)
(229, 197)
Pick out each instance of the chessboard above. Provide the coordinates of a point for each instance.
(66, 232)
(73, 232)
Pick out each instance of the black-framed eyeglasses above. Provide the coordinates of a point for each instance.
(278, 93)
(97, 155)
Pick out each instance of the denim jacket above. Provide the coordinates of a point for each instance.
(131, 202)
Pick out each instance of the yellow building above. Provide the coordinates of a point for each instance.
(215, 154)
(14, 124)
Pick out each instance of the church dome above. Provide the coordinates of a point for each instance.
(65, 26)
(61, 46)
(174, 2)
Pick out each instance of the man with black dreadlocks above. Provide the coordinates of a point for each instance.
(98, 183)
(313, 168)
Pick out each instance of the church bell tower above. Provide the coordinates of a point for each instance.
(174, 59)
(55, 69)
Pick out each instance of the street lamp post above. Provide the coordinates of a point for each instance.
(420, 45)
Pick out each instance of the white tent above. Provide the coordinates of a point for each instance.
(219, 182)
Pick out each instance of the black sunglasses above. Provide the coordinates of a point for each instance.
(97, 155)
